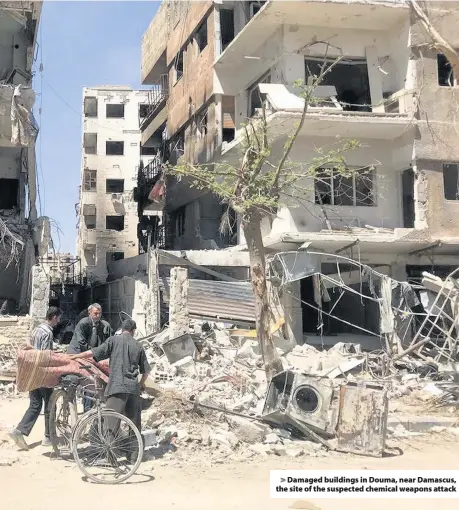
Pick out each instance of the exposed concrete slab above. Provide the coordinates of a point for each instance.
(421, 423)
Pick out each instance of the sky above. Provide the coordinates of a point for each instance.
(80, 44)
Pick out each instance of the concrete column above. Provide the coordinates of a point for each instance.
(39, 301)
(374, 77)
(153, 322)
(179, 318)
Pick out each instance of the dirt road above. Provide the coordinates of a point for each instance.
(34, 481)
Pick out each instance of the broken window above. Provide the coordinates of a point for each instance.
(114, 148)
(143, 110)
(178, 65)
(90, 257)
(177, 147)
(114, 111)
(201, 35)
(148, 151)
(348, 76)
(114, 223)
(90, 106)
(226, 26)
(201, 124)
(255, 98)
(337, 188)
(408, 198)
(9, 193)
(113, 256)
(90, 143)
(228, 110)
(90, 222)
(90, 180)
(451, 181)
(114, 185)
(446, 76)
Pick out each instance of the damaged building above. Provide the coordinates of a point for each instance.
(23, 236)
(111, 160)
(388, 87)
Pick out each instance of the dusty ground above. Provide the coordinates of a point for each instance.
(34, 481)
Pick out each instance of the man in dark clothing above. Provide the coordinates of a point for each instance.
(127, 361)
(42, 339)
(90, 332)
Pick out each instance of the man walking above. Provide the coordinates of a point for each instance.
(127, 361)
(90, 332)
(42, 339)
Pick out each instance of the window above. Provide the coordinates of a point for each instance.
(180, 221)
(90, 180)
(451, 181)
(114, 111)
(201, 35)
(226, 26)
(446, 76)
(90, 143)
(9, 191)
(148, 151)
(201, 124)
(178, 66)
(254, 8)
(90, 222)
(114, 148)
(255, 99)
(114, 223)
(143, 110)
(228, 134)
(113, 256)
(90, 106)
(335, 188)
(177, 148)
(114, 185)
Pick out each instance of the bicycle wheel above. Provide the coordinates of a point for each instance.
(62, 420)
(107, 447)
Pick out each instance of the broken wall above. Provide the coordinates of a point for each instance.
(437, 124)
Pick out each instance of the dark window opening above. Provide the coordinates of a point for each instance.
(226, 26)
(113, 256)
(143, 110)
(114, 223)
(254, 8)
(179, 66)
(446, 76)
(90, 106)
(337, 188)
(114, 111)
(228, 134)
(114, 185)
(179, 221)
(408, 198)
(90, 222)
(350, 79)
(451, 181)
(255, 97)
(90, 180)
(9, 193)
(201, 35)
(201, 124)
(114, 148)
(148, 151)
(177, 148)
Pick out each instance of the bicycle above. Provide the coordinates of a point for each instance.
(106, 445)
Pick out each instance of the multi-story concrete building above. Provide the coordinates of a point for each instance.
(111, 157)
(23, 236)
(392, 90)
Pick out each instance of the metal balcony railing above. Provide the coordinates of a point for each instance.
(157, 98)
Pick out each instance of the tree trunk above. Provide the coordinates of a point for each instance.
(252, 232)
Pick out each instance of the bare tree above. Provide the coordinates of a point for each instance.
(258, 185)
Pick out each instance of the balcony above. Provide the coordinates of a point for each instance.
(281, 28)
(147, 177)
(154, 111)
(89, 239)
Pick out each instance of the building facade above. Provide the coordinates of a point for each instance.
(111, 158)
(390, 88)
(23, 236)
